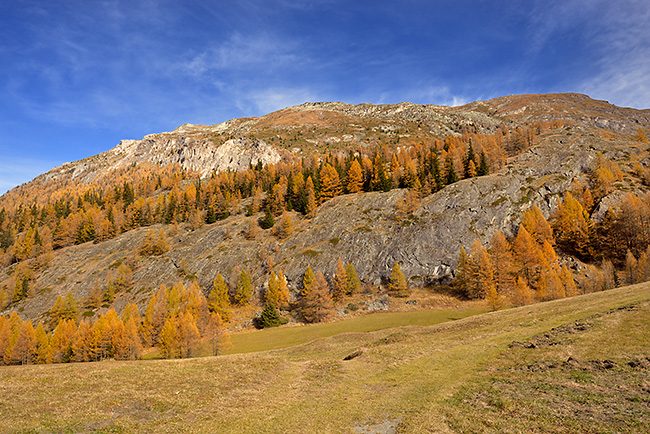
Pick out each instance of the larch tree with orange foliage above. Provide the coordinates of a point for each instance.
(340, 281)
(570, 288)
(355, 177)
(537, 225)
(529, 256)
(573, 228)
(522, 293)
(330, 184)
(503, 263)
(317, 305)
(397, 283)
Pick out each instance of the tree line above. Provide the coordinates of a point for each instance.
(178, 322)
(51, 213)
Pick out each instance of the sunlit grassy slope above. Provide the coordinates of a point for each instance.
(456, 376)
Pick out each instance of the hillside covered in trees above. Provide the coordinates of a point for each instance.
(514, 200)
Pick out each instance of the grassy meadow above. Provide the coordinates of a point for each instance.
(578, 365)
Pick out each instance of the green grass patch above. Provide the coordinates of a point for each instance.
(311, 253)
(271, 339)
(116, 264)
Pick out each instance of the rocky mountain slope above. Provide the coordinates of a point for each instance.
(364, 229)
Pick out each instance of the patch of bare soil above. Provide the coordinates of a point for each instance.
(388, 427)
(552, 337)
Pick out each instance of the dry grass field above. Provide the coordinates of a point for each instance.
(579, 365)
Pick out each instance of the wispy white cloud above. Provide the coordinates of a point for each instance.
(256, 53)
(269, 100)
(418, 93)
(15, 171)
(618, 40)
(624, 38)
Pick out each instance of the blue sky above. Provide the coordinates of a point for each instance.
(78, 76)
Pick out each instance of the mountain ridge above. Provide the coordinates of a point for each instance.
(439, 118)
(369, 230)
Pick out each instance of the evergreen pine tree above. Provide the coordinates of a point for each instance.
(268, 221)
(450, 171)
(483, 168)
(270, 317)
(469, 163)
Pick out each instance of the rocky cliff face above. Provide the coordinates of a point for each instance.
(197, 154)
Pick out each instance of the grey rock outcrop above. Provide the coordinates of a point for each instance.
(200, 155)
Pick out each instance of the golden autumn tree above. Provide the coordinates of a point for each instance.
(631, 268)
(82, 344)
(330, 184)
(522, 294)
(154, 245)
(5, 338)
(317, 304)
(570, 288)
(307, 281)
(609, 275)
(284, 227)
(355, 177)
(43, 351)
(340, 281)
(283, 291)
(130, 344)
(272, 294)
(643, 265)
(168, 340)
(131, 311)
(492, 297)
(487, 284)
(24, 347)
(188, 335)
(528, 254)
(217, 335)
(218, 299)
(573, 228)
(310, 193)
(61, 341)
(397, 283)
(537, 225)
(555, 288)
(640, 136)
(244, 289)
(503, 263)
(354, 283)
(407, 204)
